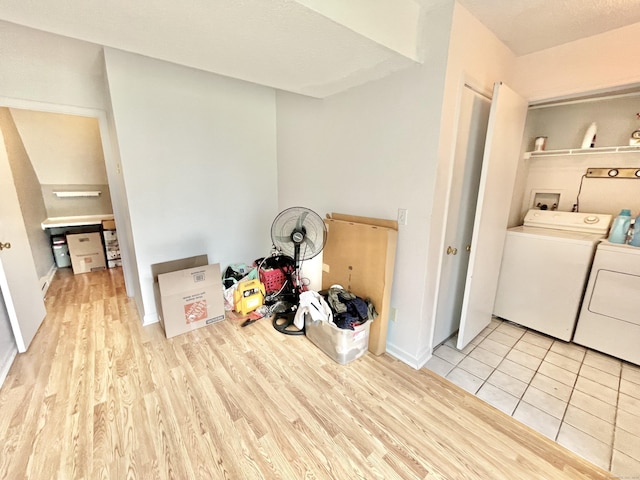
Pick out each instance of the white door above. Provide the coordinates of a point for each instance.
(499, 165)
(18, 277)
(463, 197)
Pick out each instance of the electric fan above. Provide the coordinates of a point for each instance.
(302, 234)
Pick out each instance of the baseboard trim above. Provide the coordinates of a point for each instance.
(6, 365)
(46, 280)
(150, 319)
(404, 357)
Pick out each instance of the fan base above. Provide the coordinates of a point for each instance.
(283, 322)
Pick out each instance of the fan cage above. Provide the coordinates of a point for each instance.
(286, 223)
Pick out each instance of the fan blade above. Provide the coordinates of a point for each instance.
(310, 244)
(300, 221)
(285, 239)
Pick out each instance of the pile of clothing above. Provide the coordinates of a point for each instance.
(348, 309)
(335, 305)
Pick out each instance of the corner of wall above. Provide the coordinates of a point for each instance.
(149, 319)
(416, 362)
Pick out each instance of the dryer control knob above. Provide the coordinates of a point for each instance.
(591, 219)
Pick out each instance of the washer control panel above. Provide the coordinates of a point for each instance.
(573, 221)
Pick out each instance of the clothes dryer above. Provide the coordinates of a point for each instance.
(609, 319)
(544, 270)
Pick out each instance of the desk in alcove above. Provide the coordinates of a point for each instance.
(60, 227)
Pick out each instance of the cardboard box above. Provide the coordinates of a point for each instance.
(360, 255)
(108, 224)
(86, 252)
(189, 294)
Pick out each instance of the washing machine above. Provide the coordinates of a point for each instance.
(609, 319)
(545, 267)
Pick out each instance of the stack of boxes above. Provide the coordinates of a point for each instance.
(112, 249)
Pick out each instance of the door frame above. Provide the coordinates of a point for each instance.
(114, 177)
(478, 87)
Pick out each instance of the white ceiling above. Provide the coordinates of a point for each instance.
(288, 45)
(527, 26)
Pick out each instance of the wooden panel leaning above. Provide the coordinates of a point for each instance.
(360, 256)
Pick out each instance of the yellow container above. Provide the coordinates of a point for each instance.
(248, 296)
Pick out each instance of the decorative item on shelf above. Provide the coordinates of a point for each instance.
(589, 140)
(635, 135)
(540, 144)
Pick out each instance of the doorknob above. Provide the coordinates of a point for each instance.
(468, 248)
(5, 245)
(451, 250)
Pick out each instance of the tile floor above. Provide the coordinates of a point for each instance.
(585, 400)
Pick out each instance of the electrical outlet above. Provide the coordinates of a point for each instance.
(393, 314)
(403, 213)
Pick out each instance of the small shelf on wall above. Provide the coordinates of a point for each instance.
(92, 193)
(584, 151)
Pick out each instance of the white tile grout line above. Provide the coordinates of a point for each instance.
(615, 420)
(573, 387)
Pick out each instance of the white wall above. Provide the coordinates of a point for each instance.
(565, 124)
(563, 175)
(198, 155)
(64, 149)
(591, 64)
(32, 204)
(389, 145)
(66, 154)
(43, 67)
(392, 23)
(370, 151)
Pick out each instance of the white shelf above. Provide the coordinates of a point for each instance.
(76, 221)
(584, 151)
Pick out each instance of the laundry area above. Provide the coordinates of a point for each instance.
(346, 317)
(561, 352)
(575, 197)
(568, 267)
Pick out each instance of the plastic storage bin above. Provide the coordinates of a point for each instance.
(61, 255)
(343, 346)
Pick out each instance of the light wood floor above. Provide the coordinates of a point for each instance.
(98, 396)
